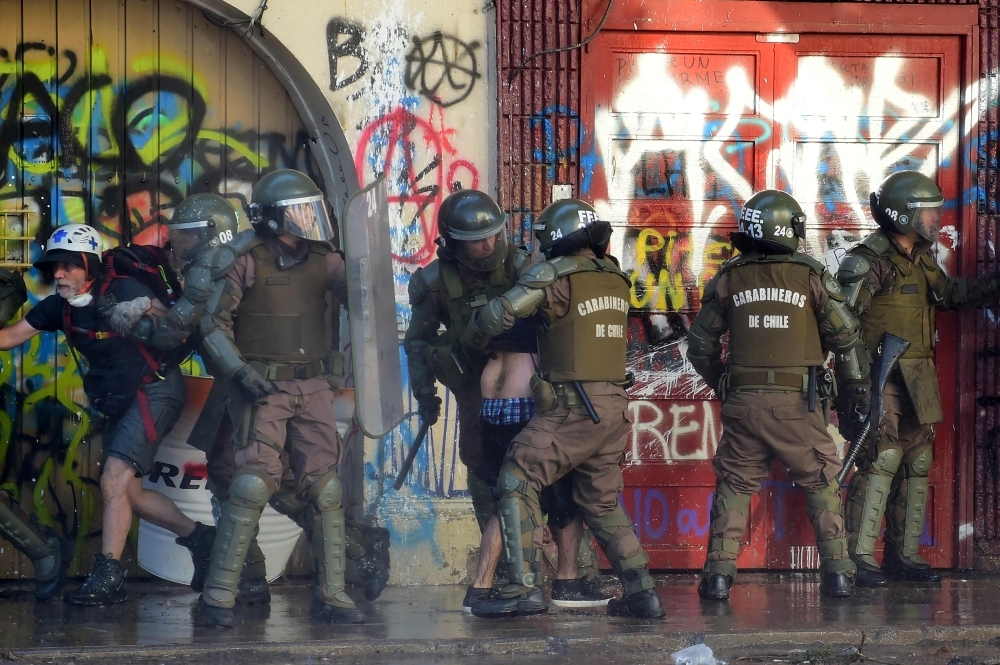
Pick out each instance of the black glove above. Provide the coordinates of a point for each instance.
(428, 409)
(251, 384)
(13, 294)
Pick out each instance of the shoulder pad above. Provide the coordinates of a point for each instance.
(709, 292)
(244, 242)
(877, 242)
(565, 265)
(832, 286)
(417, 288)
(853, 268)
(806, 260)
(222, 260)
(539, 275)
(430, 274)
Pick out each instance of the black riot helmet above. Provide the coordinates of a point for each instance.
(908, 200)
(288, 201)
(568, 225)
(200, 221)
(468, 216)
(771, 222)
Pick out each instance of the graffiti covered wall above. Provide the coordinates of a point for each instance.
(110, 114)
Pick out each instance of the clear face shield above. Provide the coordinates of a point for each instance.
(927, 219)
(187, 239)
(485, 254)
(304, 217)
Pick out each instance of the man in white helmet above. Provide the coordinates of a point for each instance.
(141, 403)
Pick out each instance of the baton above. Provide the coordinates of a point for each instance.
(812, 389)
(586, 402)
(856, 447)
(410, 456)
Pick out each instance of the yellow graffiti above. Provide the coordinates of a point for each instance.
(665, 292)
(257, 159)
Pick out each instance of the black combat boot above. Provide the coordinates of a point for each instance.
(341, 612)
(104, 586)
(835, 585)
(210, 616)
(514, 600)
(643, 605)
(252, 588)
(895, 567)
(715, 587)
(199, 542)
(62, 550)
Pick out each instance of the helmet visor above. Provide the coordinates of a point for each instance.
(483, 255)
(305, 217)
(187, 238)
(927, 220)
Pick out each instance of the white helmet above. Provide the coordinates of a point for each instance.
(78, 244)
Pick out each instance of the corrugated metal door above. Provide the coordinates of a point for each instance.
(111, 112)
(686, 127)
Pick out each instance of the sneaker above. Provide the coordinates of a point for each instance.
(63, 549)
(104, 586)
(199, 542)
(643, 605)
(513, 600)
(583, 592)
(474, 594)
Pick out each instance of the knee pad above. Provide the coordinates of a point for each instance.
(827, 499)
(920, 465)
(727, 499)
(887, 462)
(251, 488)
(512, 481)
(327, 492)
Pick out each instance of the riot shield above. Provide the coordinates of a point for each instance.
(371, 311)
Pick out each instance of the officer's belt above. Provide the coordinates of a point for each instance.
(287, 371)
(765, 378)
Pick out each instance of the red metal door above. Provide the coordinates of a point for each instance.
(686, 127)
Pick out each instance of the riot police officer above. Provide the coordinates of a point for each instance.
(475, 263)
(783, 312)
(269, 340)
(583, 300)
(894, 284)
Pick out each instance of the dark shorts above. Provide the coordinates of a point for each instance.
(556, 500)
(125, 438)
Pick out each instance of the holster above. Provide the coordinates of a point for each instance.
(826, 391)
(544, 394)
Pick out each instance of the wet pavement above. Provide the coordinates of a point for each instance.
(768, 615)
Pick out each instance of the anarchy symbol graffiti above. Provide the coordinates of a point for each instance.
(442, 68)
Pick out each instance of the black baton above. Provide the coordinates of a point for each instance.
(410, 456)
(812, 389)
(586, 402)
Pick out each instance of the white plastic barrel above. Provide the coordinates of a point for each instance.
(180, 475)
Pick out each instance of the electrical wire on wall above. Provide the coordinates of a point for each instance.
(248, 23)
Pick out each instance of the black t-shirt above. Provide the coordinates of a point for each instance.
(113, 353)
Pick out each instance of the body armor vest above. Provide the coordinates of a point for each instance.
(907, 312)
(588, 344)
(282, 317)
(462, 301)
(771, 318)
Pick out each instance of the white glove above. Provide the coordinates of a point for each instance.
(126, 314)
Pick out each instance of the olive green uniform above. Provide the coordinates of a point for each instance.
(584, 302)
(447, 292)
(898, 293)
(276, 318)
(783, 313)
